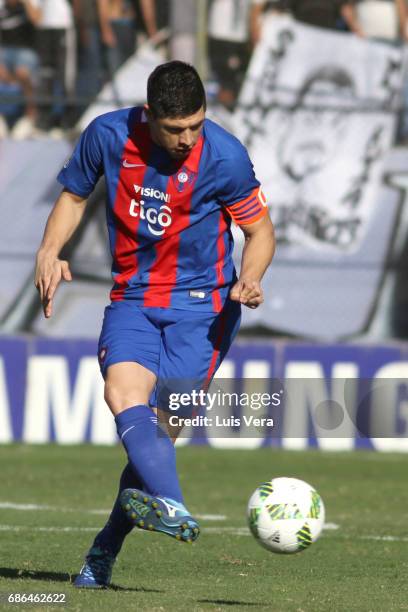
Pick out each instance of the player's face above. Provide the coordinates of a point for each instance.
(177, 135)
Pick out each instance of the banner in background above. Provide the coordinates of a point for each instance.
(330, 397)
(318, 113)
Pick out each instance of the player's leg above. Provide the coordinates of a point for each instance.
(130, 384)
(194, 345)
(129, 352)
(135, 393)
(150, 451)
(158, 503)
(96, 571)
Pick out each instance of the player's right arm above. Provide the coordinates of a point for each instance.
(62, 223)
(79, 177)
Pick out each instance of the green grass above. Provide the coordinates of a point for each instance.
(365, 493)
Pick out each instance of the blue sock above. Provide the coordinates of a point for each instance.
(150, 452)
(118, 526)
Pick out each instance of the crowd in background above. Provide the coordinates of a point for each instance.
(58, 53)
(235, 28)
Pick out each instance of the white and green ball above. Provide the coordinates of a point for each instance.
(286, 515)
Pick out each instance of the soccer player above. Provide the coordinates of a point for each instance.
(174, 181)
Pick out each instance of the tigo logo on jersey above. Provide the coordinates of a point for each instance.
(154, 218)
(150, 192)
(161, 217)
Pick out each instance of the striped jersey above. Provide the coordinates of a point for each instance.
(168, 220)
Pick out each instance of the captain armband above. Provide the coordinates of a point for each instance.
(247, 211)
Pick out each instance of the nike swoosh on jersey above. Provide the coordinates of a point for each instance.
(126, 164)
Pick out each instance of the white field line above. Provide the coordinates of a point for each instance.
(17, 528)
(37, 507)
(236, 531)
(211, 517)
(331, 526)
(383, 538)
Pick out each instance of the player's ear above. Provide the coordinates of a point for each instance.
(147, 111)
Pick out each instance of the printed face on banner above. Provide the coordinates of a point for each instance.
(317, 132)
(311, 139)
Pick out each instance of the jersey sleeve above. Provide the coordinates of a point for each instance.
(239, 190)
(84, 168)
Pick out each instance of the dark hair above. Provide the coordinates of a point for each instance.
(175, 89)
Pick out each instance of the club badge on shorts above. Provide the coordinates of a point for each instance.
(102, 354)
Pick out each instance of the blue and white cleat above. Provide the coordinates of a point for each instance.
(159, 514)
(97, 570)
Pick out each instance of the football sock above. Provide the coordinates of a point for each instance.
(118, 526)
(150, 451)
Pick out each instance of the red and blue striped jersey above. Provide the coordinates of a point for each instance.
(169, 221)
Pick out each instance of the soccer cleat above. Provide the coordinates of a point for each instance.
(157, 514)
(97, 570)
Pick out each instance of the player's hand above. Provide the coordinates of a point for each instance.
(248, 293)
(48, 274)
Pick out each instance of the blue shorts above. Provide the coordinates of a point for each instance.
(182, 348)
(18, 57)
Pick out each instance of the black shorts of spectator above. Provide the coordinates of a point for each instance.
(229, 62)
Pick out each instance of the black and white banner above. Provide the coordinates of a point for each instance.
(316, 115)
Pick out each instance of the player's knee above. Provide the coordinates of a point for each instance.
(119, 398)
(113, 396)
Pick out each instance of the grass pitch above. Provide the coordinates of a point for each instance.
(51, 499)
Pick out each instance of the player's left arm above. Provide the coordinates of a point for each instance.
(257, 255)
(240, 194)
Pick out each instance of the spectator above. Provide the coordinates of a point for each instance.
(93, 29)
(162, 10)
(385, 20)
(55, 45)
(320, 13)
(121, 43)
(155, 12)
(229, 46)
(258, 8)
(18, 61)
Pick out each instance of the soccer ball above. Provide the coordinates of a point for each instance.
(286, 515)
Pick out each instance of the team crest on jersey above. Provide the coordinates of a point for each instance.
(184, 178)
